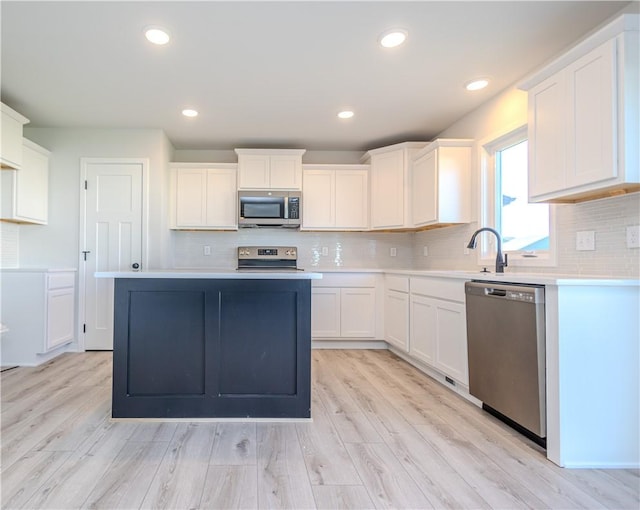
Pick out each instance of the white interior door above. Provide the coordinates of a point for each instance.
(112, 239)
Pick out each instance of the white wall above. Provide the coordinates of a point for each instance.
(56, 245)
(607, 217)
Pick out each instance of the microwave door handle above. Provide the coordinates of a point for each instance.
(286, 208)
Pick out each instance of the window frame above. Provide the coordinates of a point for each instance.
(488, 148)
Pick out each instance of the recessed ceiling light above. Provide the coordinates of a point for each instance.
(346, 114)
(477, 84)
(393, 38)
(188, 112)
(156, 35)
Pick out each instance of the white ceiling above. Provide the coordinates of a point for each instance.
(275, 73)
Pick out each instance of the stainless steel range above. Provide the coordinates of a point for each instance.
(268, 258)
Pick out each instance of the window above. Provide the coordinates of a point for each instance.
(526, 229)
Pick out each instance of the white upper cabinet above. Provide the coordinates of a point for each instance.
(11, 124)
(270, 168)
(25, 192)
(335, 197)
(584, 118)
(204, 196)
(440, 177)
(390, 199)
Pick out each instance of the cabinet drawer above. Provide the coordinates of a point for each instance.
(346, 280)
(399, 283)
(60, 280)
(441, 288)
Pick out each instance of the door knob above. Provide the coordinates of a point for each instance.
(135, 266)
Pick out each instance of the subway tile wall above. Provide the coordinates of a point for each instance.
(608, 218)
(346, 250)
(9, 235)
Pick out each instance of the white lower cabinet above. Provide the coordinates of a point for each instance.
(357, 313)
(325, 312)
(423, 318)
(38, 308)
(396, 312)
(438, 331)
(344, 310)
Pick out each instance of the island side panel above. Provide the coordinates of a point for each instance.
(265, 348)
(211, 348)
(164, 342)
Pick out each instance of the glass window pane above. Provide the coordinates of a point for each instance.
(524, 226)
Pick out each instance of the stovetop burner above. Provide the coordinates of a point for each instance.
(268, 258)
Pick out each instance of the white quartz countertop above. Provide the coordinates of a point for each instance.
(221, 274)
(316, 273)
(37, 270)
(507, 277)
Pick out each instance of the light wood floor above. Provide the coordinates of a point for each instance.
(383, 436)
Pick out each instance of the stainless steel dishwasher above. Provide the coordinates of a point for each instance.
(506, 348)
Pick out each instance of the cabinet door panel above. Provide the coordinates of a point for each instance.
(424, 190)
(253, 171)
(286, 172)
(423, 329)
(221, 197)
(547, 136)
(351, 202)
(396, 315)
(451, 341)
(191, 190)
(318, 202)
(357, 317)
(592, 117)
(32, 187)
(10, 141)
(60, 317)
(387, 190)
(325, 312)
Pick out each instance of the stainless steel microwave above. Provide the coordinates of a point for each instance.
(269, 209)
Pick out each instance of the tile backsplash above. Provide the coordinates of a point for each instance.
(608, 218)
(346, 250)
(9, 236)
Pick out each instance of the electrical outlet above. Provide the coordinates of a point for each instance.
(325, 251)
(425, 251)
(207, 250)
(586, 240)
(393, 251)
(633, 236)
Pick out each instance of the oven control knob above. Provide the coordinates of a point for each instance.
(293, 253)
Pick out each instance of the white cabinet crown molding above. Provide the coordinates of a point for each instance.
(398, 146)
(625, 23)
(270, 152)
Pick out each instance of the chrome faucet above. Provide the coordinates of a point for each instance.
(501, 263)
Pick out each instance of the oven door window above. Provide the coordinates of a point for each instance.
(262, 207)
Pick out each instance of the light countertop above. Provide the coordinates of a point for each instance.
(316, 273)
(508, 277)
(37, 270)
(220, 274)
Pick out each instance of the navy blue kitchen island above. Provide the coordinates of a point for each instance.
(211, 345)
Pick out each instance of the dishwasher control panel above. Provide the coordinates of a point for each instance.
(527, 297)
